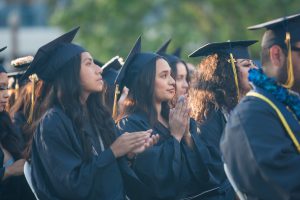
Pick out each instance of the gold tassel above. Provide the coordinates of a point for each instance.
(33, 78)
(232, 61)
(115, 107)
(290, 71)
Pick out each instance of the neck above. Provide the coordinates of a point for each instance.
(84, 97)
(277, 73)
(158, 110)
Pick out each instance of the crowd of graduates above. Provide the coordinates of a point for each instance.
(153, 126)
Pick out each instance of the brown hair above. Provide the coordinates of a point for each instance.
(23, 103)
(213, 87)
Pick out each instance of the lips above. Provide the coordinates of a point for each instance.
(171, 90)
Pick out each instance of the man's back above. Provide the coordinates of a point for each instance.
(259, 153)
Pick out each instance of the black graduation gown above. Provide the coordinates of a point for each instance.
(15, 187)
(169, 170)
(210, 132)
(19, 121)
(259, 153)
(58, 170)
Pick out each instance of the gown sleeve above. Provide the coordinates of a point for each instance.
(58, 152)
(160, 166)
(197, 157)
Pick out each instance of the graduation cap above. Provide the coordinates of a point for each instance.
(18, 68)
(276, 30)
(111, 69)
(3, 48)
(234, 49)
(177, 52)
(239, 49)
(284, 32)
(1, 67)
(135, 62)
(171, 59)
(164, 47)
(51, 57)
(22, 62)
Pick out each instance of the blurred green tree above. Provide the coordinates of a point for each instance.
(110, 27)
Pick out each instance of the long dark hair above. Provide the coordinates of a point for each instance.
(41, 91)
(173, 66)
(141, 95)
(8, 136)
(213, 87)
(65, 91)
(109, 95)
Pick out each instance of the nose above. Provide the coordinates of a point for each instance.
(185, 84)
(171, 81)
(99, 70)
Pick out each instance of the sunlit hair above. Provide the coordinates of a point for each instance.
(213, 87)
(173, 66)
(23, 102)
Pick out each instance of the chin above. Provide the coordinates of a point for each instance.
(169, 97)
(98, 89)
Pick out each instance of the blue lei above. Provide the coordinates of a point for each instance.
(285, 96)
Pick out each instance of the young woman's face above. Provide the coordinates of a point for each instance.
(90, 74)
(3, 91)
(164, 89)
(181, 80)
(243, 67)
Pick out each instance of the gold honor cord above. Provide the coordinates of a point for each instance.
(115, 107)
(33, 78)
(290, 71)
(232, 61)
(281, 117)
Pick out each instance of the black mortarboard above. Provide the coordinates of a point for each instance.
(111, 69)
(53, 56)
(234, 49)
(239, 49)
(1, 67)
(135, 62)
(277, 29)
(171, 59)
(164, 47)
(3, 48)
(177, 52)
(22, 63)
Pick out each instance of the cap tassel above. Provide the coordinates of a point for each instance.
(115, 107)
(33, 78)
(290, 71)
(232, 61)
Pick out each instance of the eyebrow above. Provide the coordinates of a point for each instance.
(181, 75)
(165, 71)
(90, 59)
